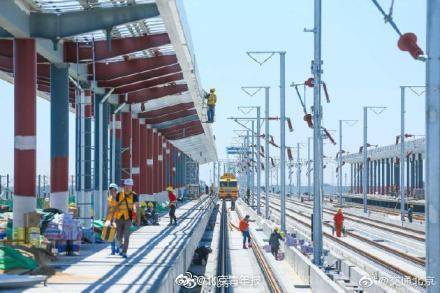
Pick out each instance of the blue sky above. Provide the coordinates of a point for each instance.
(362, 66)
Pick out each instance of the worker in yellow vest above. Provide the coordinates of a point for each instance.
(111, 211)
(127, 202)
(212, 100)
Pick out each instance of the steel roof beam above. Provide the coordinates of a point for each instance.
(166, 110)
(154, 93)
(183, 136)
(119, 47)
(148, 83)
(187, 129)
(179, 127)
(112, 70)
(177, 121)
(169, 116)
(4, 33)
(117, 82)
(16, 21)
(56, 26)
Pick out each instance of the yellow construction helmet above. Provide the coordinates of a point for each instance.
(170, 188)
(212, 90)
(143, 204)
(150, 204)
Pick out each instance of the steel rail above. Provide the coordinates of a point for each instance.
(420, 281)
(269, 276)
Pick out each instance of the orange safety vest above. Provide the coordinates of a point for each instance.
(124, 201)
(112, 207)
(244, 226)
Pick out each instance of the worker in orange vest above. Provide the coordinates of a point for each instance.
(339, 222)
(244, 228)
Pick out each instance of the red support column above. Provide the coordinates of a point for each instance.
(164, 164)
(155, 174)
(172, 169)
(164, 167)
(25, 113)
(143, 157)
(135, 143)
(170, 176)
(59, 136)
(126, 146)
(150, 147)
(160, 163)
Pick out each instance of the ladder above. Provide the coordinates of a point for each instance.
(84, 195)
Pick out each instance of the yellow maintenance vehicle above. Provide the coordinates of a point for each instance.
(228, 187)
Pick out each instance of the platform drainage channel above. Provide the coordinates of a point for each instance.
(198, 266)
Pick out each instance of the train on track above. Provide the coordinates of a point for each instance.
(228, 187)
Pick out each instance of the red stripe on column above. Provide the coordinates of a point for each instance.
(59, 180)
(168, 152)
(160, 163)
(125, 145)
(135, 143)
(149, 141)
(164, 169)
(143, 158)
(155, 175)
(25, 113)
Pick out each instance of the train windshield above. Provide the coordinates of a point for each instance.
(228, 183)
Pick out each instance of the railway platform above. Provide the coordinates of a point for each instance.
(156, 256)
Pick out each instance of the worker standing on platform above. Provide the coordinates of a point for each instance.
(274, 242)
(339, 222)
(126, 212)
(244, 228)
(212, 100)
(173, 205)
(112, 206)
(410, 212)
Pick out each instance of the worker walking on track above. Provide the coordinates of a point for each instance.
(410, 212)
(112, 206)
(244, 228)
(274, 242)
(339, 222)
(127, 202)
(212, 100)
(173, 205)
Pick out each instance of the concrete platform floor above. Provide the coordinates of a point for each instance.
(244, 265)
(152, 252)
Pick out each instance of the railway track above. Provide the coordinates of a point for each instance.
(395, 268)
(409, 233)
(223, 264)
(269, 276)
(396, 229)
(389, 211)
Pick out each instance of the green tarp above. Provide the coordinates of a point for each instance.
(11, 258)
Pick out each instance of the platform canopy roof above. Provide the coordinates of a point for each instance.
(415, 146)
(140, 51)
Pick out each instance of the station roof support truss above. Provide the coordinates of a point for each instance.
(139, 49)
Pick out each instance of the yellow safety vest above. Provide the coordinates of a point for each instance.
(212, 99)
(112, 207)
(124, 201)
